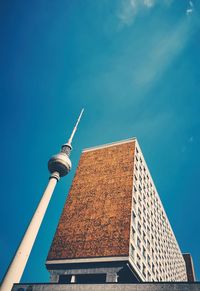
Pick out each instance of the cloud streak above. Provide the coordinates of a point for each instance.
(190, 8)
(160, 54)
(127, 12)
(129, 9)
(187, 144)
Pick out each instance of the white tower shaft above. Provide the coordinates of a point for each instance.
(19, 261)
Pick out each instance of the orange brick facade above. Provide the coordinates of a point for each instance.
(96, 218)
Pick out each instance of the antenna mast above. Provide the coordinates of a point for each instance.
(75, 128)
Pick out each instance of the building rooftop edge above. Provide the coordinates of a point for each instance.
(88, 260)
(109, 144)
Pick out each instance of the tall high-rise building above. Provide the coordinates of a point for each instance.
(113, 227)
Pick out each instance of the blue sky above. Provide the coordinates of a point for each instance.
(134, 66)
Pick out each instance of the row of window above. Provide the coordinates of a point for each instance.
(150, 222)
(157, 253)
(152, 272)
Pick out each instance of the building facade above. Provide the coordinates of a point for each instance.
(113, 227)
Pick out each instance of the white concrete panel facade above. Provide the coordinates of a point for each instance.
(154, 251)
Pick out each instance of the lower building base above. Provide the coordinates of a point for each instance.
(95, 273)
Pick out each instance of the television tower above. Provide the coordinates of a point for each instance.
(59, 166)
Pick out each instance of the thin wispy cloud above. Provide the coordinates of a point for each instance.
(162, 48)
(139, 63)
(129, 9)
(187, 144)
(149, 3)
(160, 54)
(190, 8)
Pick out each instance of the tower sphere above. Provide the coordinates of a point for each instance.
(60, 163)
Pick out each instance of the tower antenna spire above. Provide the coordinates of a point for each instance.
(75, 128)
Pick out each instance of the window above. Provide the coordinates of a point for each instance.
(138, 261)
(160, 269)
(148, 276)
(148, 219)
(133, 217)
(144, 236)
(134, 203)
(148, 230)
(132, 252)
(148, 260)
(144, 210)
(139, 243)
(139, 213)
(133, 233)
(156, 245)
(148, 244)
(144, 252)
(144, 270)
(144, 223)
(153, 268)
